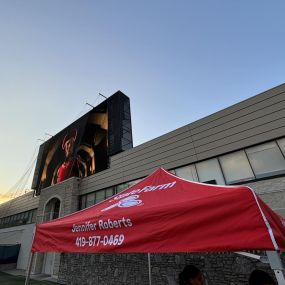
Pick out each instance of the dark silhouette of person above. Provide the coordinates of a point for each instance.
(69, 167)
(191, 275)
(260, 277)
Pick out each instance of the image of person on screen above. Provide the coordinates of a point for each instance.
(70, 165)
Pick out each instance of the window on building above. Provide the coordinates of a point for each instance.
(187, 172)
(281, 144)
(109, 192)
(210, 170)
(56, 208)
(100, 196)
(83, 202)
(33, 216)
(213, 181)
(90, 199)
(236, 167)
(134, 182)
(121, 187)
(18, 219)
(266, 159)
(25, 216)
(95, 197)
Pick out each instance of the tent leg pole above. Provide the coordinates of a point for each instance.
(276, 264)
(279, 277)
(149, 268)
(29, 268)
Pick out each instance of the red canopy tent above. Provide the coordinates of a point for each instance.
(164, 213)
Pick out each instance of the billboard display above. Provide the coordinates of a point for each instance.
(83, 148)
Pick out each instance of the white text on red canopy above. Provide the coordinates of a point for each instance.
(148, 188)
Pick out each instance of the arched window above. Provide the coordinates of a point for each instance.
(52, 210)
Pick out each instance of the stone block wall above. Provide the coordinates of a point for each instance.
(132, 269)
(66, 191)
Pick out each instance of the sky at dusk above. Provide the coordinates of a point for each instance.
(178, 61)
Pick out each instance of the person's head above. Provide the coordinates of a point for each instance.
(68, 142)
(68, 147)
(191, 275)
(259, 277)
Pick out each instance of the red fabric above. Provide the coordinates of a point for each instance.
(65, 171)
(164, 213)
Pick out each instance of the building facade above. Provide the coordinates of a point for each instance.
(242, 144)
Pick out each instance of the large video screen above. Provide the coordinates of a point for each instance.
(83, 148)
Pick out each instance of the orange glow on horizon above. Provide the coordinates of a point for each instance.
(5, 198)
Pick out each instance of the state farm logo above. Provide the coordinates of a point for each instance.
(125, 203)
(130, 199)
(283, 222)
